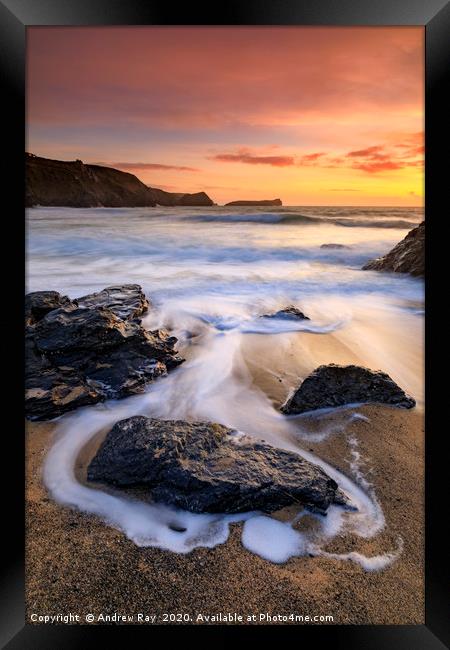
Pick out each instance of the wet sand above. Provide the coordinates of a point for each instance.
(77, 564)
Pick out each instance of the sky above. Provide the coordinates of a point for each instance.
(311, 115)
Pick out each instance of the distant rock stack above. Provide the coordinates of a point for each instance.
(408, 256)
(256, 203)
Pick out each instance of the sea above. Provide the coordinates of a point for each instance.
(210, 274)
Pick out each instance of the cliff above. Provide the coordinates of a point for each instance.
(199, 198)
(74, 184)
(408, 256)
(265, 202)
(172, 198)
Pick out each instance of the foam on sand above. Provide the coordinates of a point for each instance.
(202, 389)
(272, 540)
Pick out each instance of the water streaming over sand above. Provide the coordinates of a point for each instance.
(211, 272)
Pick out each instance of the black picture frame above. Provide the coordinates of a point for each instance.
(15, 17)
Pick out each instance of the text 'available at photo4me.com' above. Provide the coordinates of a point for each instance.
(179, 617)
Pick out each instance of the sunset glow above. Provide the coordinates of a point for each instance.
(315, 116)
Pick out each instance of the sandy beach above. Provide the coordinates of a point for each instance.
(76, 563)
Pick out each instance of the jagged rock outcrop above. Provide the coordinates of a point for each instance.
(84, 351)
(333, 385)
(288, 313)
(39, 303)
(250, 203)
(204, 467)
(408, 256)
(127, 301)
(74, 184)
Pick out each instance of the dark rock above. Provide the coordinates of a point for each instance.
(408, 256)
(79, 354)
(127, 301)
(288, 313)
(334, 246)
(263, 202)
(333, 385)
(204, 467)
(39, 303)
(52, 391)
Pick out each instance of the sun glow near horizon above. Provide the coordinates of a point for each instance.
(314, 116)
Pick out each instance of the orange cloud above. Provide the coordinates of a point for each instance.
(373, 167)
(309, 158)
(378, 158)
(250, 159)
(372, 159)
(363, 153)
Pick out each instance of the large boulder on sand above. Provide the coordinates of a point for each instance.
(86, 351)
(408, 256)
(204, 467)
(333, 385)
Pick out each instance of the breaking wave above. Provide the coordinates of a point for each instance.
(302, 219)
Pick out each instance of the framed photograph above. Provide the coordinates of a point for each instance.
(225, 346)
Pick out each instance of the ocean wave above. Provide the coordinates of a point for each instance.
(383, 223)
(302, 219)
